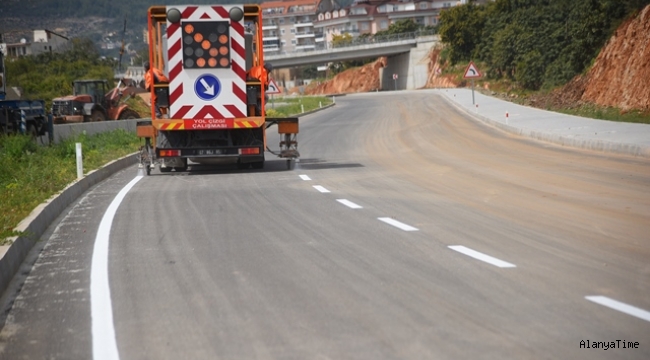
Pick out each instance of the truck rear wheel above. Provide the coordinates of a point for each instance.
(129, 114)
(97, 115)
(182, 168)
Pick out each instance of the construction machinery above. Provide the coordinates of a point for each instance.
(20, 116)
(210, 112)
(92, 100)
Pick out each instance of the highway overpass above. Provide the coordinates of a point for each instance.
(405, 53)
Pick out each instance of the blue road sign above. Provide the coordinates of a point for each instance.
(207, 87)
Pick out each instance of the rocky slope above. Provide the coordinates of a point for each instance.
(620, 76)
(361, 79)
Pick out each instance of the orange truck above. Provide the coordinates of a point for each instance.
(210, 111)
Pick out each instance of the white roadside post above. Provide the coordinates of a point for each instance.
(23, 122)
(80, 165)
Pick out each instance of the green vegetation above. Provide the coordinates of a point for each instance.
(292, 105)
(47, 76)
(535, 43)
(31, 174)
(606, 113)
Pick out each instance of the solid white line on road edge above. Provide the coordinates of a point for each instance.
(397, 224)
(349, 204)
(321, 189)
(101, 309)
(305, 177)
(622, 307)
(480, 256)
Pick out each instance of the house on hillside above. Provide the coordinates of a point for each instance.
(44, 41)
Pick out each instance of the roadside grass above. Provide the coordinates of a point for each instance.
(30, 174)
(608, 113)
(291, 105)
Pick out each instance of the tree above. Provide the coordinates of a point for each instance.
(459, 28)
(341, 40)
(400, 27)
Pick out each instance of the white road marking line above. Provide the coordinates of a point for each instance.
(349, 204)
(480, 256)
(101, 309)
(305, 177)
(397, 224)
(622, 307)
(321, 189)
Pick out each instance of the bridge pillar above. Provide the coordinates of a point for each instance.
(411, 67)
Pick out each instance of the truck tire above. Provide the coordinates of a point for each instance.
(97, 115)
(129, 114)
(258, 165)
(31, 131)
(182, 168)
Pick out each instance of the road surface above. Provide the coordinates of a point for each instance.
(406, 231)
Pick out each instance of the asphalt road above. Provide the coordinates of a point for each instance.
(361, 252)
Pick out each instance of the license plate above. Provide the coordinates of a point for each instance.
(209, 152)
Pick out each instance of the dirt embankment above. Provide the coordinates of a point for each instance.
(435, 79)
(366, 78)
(361, 79)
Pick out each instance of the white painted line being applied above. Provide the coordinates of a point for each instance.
(305, 177)
(480, 256)
(397, 224)
(349, 204)
(622, 307)
(321, 189)
(101, 309)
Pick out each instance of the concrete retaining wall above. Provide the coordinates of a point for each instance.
(65, 131)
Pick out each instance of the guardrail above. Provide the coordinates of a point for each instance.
(374, 39)
(365, 40)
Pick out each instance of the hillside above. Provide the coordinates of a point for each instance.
(94, 19)
(617, 78)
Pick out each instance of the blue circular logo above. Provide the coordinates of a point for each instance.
(207, 87)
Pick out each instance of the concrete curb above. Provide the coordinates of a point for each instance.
(35, 225)
(314, 111)
(589, 144)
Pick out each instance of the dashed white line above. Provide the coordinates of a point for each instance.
(101, 309)
(397, 224)
(480, 256)
(321, 189)
(349, 204)
(305, 177)
(622, 307)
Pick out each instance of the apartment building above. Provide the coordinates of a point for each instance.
(336, 17)
(288, 26)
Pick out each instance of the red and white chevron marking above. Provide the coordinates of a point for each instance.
(184, 103)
